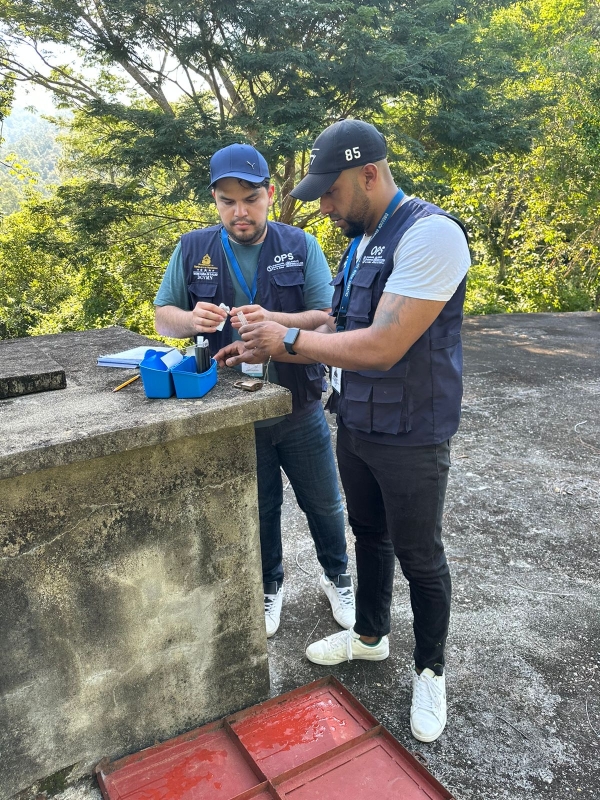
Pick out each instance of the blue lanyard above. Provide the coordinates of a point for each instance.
(355, 242)
(250, 293)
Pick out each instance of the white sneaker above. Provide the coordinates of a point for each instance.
(428, 709)
(345, 646)
(273, 603)
(340, 592)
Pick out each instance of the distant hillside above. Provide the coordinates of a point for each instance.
(33, 141)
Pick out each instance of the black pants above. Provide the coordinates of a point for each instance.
(395, 499)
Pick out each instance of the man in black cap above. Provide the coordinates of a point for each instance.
(268, 271)
(394, 341)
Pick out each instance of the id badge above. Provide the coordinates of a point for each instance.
(253, 370)
(336, 379)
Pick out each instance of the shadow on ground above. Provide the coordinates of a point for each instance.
(522, 527)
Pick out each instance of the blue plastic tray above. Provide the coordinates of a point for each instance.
(188, 382)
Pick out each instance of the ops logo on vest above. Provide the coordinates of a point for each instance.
(283, 260)
(375, 256)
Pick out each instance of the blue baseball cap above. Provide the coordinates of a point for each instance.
(238, 161)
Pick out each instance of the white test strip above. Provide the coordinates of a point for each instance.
(242, 318)
(221, 325)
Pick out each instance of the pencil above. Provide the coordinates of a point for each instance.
(122, 386)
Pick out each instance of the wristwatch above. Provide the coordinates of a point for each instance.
(289, 340)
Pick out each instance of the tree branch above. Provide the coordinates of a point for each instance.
(118, 51)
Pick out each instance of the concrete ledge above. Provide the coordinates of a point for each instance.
(88, 420)
(24, 370)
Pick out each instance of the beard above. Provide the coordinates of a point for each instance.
(251, 236)
(357, 219)
(353, 228)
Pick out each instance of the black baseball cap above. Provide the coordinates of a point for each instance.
(345, 144)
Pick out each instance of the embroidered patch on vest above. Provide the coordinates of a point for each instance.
(205, 270)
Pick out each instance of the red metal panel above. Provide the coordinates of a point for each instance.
(210, 767)
(374, 768)
(316, 742)
(263, 792)
(283, 735)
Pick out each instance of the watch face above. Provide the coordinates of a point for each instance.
(289, 340)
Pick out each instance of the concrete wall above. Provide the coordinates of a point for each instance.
(130, 581)
(129, 605)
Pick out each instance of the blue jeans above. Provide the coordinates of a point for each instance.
(303, 449)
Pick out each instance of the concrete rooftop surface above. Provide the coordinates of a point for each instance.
(522, 525)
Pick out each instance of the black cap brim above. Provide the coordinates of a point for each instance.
(311, 187)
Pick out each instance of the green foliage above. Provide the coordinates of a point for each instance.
(7, 86)
(57, 273)
(33, 282)
(489, 108)
(332, 241)
(271, 74)
(29, 158)
(33, 139)
(534, 217)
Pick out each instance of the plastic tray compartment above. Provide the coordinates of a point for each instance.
(314, 743)
(188, 382)
(157, 382)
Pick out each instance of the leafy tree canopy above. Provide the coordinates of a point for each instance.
(490, 108)
(177, 80)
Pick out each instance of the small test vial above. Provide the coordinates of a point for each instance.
(242, 318)
(202, 354)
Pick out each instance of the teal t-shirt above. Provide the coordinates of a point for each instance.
(317, 277)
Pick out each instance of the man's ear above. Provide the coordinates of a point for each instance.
(271, 193)
(370, 173)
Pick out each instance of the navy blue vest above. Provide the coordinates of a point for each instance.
(417, 401)
(280, 284)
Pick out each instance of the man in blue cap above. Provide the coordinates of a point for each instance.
(268, 271)
(394, 338)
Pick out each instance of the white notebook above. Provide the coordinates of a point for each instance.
(128, 359)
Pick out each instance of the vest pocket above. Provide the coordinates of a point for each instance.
(361, 295)
(315, 383)
(202, 291)
(338, 288)
(374, 408)
(355, 408)
(290, 289)
(388, 409)
(443, 342)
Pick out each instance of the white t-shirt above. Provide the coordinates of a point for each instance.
(431, 259)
